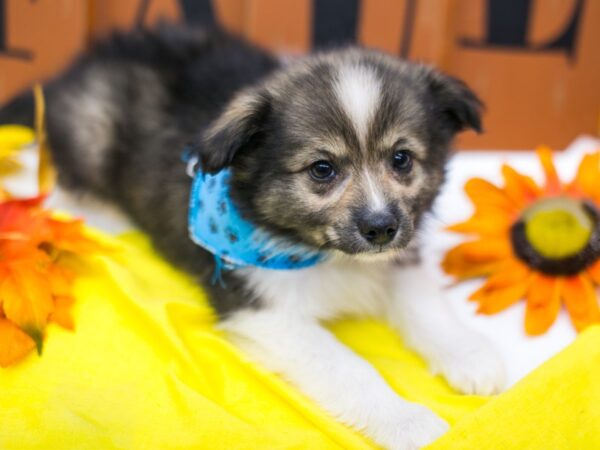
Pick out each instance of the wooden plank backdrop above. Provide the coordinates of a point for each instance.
(536, 63)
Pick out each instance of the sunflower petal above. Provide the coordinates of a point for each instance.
(482, 192)
(485, 223)
(594, 272)
(585, 182)
(521, 189)
(509, 273)
(487, 249)
(543, 304)
(553, 185)
(463, 270)
(494, 300)
(580, 299)
(476, 258)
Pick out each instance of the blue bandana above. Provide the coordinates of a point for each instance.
(216, 225)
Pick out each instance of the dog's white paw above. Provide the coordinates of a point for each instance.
(471, 365)
(413, 428)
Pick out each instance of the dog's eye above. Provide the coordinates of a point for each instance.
(402, 161)
(322, 171)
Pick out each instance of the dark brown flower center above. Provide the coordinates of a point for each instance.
(558, 236)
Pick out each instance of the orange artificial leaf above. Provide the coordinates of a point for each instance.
(37, 272)
(60, 279)
(69, 236)
(14, 343)
(62, 312)
(27, 301)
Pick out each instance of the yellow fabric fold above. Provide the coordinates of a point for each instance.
(556, 407)
(147, 369)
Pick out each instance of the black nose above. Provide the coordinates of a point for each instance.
(378, 229)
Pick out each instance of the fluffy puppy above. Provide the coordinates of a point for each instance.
(341, 152)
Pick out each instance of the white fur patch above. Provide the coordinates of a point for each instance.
(327, 291)
(376, 197)
(358, 90)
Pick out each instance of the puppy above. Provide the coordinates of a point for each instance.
(337, 156)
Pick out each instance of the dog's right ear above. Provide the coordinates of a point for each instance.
(237, 127)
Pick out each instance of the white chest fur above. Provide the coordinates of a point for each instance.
(326, 291)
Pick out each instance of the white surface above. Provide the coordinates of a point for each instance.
(521, 353)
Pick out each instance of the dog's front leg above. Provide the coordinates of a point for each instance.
(420, 313)
(345, 385)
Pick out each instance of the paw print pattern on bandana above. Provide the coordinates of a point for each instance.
(232, 235)
(212, 225)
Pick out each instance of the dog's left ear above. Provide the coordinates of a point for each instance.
(236, 128)
(455, 102)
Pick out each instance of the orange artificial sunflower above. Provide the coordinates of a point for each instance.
(538, 243)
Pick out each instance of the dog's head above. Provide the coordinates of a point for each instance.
(344, 151)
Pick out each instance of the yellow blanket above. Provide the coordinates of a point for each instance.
(145, 369)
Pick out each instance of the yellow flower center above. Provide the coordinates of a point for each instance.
(558, 227)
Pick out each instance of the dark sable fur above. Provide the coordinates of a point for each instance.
(119, 119)
(197, 72)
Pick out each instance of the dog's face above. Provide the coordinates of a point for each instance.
(344, 151)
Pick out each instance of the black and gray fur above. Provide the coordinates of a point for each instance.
(120, 117)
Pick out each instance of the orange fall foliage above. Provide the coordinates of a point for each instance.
(35, 281)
